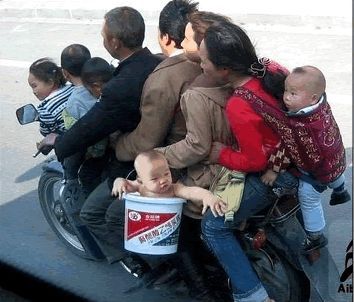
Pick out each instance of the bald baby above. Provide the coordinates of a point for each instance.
(304, 87)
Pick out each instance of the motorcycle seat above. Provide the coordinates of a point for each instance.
(284, 207)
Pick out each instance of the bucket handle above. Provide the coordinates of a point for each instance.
(130, 173)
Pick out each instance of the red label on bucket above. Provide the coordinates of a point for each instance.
(152, 229)
(152, 225)
(140, 222)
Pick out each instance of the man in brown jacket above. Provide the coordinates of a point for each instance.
(203, 108)
(202, 105)
(162, 122)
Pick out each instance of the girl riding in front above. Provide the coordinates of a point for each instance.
(49, 86)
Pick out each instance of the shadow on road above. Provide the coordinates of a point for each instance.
(30, 174)
(33, 172)
(35, 264)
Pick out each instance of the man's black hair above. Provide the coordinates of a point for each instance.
(73, 57)
(174, 18)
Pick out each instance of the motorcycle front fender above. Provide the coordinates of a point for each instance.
(53, 166)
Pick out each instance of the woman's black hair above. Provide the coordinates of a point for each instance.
(229, 46)
(46, 70)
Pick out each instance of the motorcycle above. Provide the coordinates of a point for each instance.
(61, 200)
(272, 239)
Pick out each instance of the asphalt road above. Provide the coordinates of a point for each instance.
(7, 296)
(26, 239)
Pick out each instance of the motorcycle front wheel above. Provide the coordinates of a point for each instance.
(282, 281)
(49, 186)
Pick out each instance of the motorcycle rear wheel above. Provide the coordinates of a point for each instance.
(282, 282)
(49, 187)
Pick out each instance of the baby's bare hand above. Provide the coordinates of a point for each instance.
(269, 177)
(217, 206)
(119, 187)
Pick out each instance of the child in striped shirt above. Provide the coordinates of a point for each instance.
(49, 86)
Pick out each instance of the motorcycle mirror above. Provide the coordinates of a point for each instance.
(27, 114)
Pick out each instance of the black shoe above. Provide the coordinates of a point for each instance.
(310, 244)
(339, 198)
(134, 265)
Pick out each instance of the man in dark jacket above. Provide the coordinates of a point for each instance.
(123, 34)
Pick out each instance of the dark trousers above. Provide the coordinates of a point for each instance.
(104, 216)
(89, 171)
(72, 165)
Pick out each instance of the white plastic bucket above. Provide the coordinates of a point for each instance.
(152, 224)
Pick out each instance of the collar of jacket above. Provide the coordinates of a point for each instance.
(209, 88)
(141, 52)
(169, 61)
(219, 94)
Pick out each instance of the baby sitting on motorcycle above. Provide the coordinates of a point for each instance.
(154, 180)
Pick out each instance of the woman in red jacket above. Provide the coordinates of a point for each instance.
(256, 140)
(227, 54)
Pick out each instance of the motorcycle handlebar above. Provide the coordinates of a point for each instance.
(36, 154)
(45, 150)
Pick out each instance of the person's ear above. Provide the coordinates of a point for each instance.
(225, 72)
(116, 43)
(51, 83)
(97, 88)
(95, 84)
(66, 74)
(166, 40)
(314, 99)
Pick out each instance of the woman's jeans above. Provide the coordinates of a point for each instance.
(221, 240)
